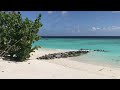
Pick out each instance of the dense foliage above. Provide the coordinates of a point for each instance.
(17, 35)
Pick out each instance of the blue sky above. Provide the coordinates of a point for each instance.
(77, 23)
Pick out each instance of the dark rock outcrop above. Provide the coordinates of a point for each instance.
(63, 55)
(99, 50)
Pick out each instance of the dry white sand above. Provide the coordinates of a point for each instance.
(55, 69)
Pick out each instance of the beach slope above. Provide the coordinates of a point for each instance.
(54, 69)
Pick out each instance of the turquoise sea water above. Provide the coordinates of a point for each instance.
(112, 45)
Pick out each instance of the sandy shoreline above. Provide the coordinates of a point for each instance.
(55, 69)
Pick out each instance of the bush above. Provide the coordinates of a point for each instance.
(18, 35)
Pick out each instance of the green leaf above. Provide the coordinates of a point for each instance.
(20, 33)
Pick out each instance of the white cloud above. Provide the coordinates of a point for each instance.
(50, 12)
(63, 12)
(115, 27)
(107, 28)
(115, 11)
(95, 28)
(111, 28)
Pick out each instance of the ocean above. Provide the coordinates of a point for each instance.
(111, 44)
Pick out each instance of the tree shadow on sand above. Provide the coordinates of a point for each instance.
(8, 58)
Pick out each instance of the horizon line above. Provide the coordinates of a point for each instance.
(79, 36)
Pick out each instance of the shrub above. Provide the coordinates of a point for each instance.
(18, 35)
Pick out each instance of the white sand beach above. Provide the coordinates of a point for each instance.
(63, 68)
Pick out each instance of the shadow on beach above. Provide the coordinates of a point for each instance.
(7, 58)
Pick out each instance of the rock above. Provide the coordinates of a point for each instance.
(58, 56)
(77, 54)
(8, 62)
(44, 57)
(101, 69)
(49, 56)
(63, 55)
(81, 49)
(37, 58)
(100, 50)
(71, 55)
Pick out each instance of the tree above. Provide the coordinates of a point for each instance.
(18, 35)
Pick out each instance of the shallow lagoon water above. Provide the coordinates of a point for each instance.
(112, 45)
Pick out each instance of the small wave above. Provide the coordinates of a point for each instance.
(67, 49)
(64, 49)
